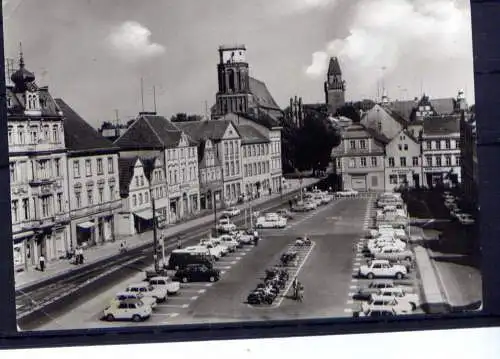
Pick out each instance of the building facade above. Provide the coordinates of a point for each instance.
(151, 135)
(93, 181)
(38, 171)
(403, 162)
(469, 168)
(154, 170)
(211, 181)
(334, 87)
(359, 159)
(441, 151)
(381, 119)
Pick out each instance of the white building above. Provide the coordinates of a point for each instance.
(37, 162)
(151, 135)
(441, 151)
(403, 162)
(93, 182)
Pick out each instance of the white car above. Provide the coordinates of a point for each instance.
(214, 253)
(398, 293)
(226, 225)
(382, 268)
(231, 212)
(246, 237)
(120, 297)
(148, 290)
(394, 254)
(465, 219)
(130, 309)
(347, 193)
(386, 304)
(166, 282)
(229, 241)
(377, 246)
(271, 220)
(214, 247)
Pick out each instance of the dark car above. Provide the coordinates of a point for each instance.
(372, 288)
(197, 273)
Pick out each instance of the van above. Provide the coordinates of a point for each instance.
(180, 258)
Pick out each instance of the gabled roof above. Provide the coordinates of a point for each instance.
(334, 67)
(403, 108)
(78, 134)
(151, 131)
(126, 171)
(202, 158)
(359, 131)
(201, 130)
(395, 115)
(443, 106)
(148, 165)
(261, 94)
(251, 135)
(48, 105)
(441, 125)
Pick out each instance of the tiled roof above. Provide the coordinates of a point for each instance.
(201, 130)
(360, 131)
(251, 135)
(261, 94)
(48, 105)
(442, 125)
(403, 108)
(334, 67)
(202, 156)
(126, 171)
(150, 131)
(78, 134)
(395, 115)
(443, 106)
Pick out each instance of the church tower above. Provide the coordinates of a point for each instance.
(234, 83)
(334, 87)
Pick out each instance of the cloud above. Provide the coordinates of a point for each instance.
(292, 7)
(319, 64)
(132, 42)
(401, 34)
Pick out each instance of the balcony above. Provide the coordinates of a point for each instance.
(97, 209)
(42, 182)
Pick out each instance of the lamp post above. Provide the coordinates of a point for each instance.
(215, 199)
(155, 232)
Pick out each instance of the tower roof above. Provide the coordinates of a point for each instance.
(22, 77)
(334, 67)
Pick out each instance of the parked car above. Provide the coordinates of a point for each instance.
(271, 220)
(375, 287)
(285, 213)
(466, 219)
(399, 294)
(394, 254)
(122, 296)
(229, 241)
(147, 290)
(197, 273)
(231, 212)
(225, 225)
(246, 237)
(129, 309)
(382, 268)
(385, 304)
(166, 282)
(347, 193)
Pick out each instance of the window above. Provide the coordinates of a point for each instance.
(374, 181)
(260, 168)
(13, 174)
(403, 179)
(352, 144)
(176, 179)
(101, 195)
(226, 149)
(11, 135)
(112, 192)
(142, 180)
(59, 203)
(428, 160)
(34, 134)
(88, 168)
(134, 200)
(391, 162)
(393, 179)
(90, 197)
(183, 175)
(46, 133)
(405, 146)
(46, 206)
(26, 208)
(146, 197)
(20, 133)
(402, 161)
(363, 161)
(447, 160)
(237, 167)
(57, 164)
(400, 147)
(76, 169)
(232, 168)
(352, 163)
(374, 161)
(362, 144)
(447, 144)
(78, 197)
(457, 160)
(100, 169)
(244, 151)
(15, 210)
(253, 150)
(137, 181)
(438, 145)
(55, 134)
(415, 161)
(111, 168)
(438, 161)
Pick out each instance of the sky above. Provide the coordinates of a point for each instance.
(93, 53)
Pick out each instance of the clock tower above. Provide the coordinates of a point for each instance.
(334, 87)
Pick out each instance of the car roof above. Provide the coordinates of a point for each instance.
(131, 301)
(125, 294)
(159, 277)
(139, 285)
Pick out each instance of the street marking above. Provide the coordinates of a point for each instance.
(238, 258)
(348, 310)
(172, 305)
(234, 262)
(354, 280)
(350, 301)
(202, 291)
(350, 294)
(185, 306)
(222, 271)
(194, 298)
(170, 315)
(222, 267)
(353, 287)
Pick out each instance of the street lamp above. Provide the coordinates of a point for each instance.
(215, 199)
(155, 232)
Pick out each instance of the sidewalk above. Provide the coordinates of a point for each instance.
(109, 249)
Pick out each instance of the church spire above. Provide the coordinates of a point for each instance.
(21, 56)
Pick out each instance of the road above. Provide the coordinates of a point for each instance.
(325, 269)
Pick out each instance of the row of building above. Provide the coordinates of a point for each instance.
(72, 186)
(422, 143)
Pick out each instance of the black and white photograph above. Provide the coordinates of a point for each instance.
(220, 161)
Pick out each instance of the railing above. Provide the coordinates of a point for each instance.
(42, 181)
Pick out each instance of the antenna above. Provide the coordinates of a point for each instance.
(117, 118)
(154, 97)
(142, 93)
(206, 109)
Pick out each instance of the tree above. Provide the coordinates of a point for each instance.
(183, 117)
(350, 112)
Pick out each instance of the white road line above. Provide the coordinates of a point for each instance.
(351, 294)
(354, 280)
(170, 315)
(353, 287)
(238, 258)
(185, 306)
(350, 301)
(234, 262)
(202, 291)
(222, 271)
(348, 310)
(304, 260)
(172, 305)
(194, 298)
(222, 267)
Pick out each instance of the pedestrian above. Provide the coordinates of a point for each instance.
(270, 191)
(179, 242)
(42, 263)
(290, 203)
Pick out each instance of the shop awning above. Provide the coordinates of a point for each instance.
(86, 225)
(146, 214)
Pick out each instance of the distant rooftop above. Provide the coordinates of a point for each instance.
(232, 47)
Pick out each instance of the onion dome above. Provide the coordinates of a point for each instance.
(22, 77)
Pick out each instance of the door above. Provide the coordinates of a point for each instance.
(358, 183)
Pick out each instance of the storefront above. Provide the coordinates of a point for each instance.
(85, 233)
(143, 220)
